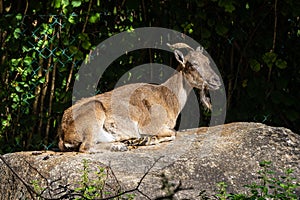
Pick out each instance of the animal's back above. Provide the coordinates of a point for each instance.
(140, 108)
(124, 113)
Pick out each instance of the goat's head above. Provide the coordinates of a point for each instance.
(196, 67)
(197, 70)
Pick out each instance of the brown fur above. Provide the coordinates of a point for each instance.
(136, 110)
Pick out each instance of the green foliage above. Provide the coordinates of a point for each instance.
(269, 58)
(90, 186)
(44, 42)
(37, 188)
(272, 187)
(94, 188)
(268, 187)
(91, 189)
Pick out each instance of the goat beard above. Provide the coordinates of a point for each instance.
(205, 99)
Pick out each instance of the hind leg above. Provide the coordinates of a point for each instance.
(87, 145)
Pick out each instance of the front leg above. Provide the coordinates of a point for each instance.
(119, 147)
(165, 135)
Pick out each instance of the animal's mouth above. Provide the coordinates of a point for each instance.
(212, 86)
(70, 146)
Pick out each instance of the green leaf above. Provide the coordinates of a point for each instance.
(255, 65)
(25, 85)
(94, 18)
(188, 27)
(86, 45)
(265, 163)
(245, 83)
(27, 60)
(79, 55)
(65, 3)
(269, 58)
(56, 3)
(131, 18)
(73, 49)
(15, 62)
(66, 7)
(72, 19)
(26, 49)
(83, 36)
(229, 8)
(18, 89)
(5, 123)
(17, 33)
(281, 64)
(76, 3)
(15, 97)
(42, 80)
(76, 53)
(247, 6)
(19, 70)
(19, 16)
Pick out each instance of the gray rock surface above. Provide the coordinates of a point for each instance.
(197, 160)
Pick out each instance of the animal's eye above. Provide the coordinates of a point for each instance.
(194, 63)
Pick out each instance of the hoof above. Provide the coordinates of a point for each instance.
(119, 147)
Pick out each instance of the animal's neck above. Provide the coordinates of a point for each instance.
(179, 86)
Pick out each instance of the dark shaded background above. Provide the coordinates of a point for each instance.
(255, 45)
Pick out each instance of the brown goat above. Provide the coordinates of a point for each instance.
(137, 112)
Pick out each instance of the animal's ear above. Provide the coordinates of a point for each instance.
(200, 49)
(179, 57)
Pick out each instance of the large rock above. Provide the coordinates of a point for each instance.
(197, 160)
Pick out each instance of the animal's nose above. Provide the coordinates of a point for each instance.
(214, 83)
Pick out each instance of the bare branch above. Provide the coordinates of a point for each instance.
(28, 186)
(136, 189)
(65, 192)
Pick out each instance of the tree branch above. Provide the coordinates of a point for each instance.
(28, 186)
(138, 185)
